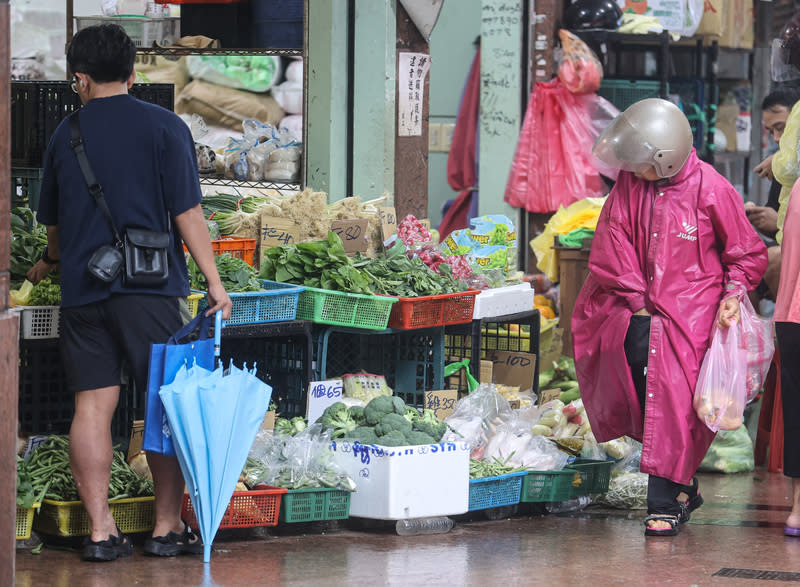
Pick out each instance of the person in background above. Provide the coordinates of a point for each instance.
(775, 108)
(786, 55)
(144, 159)
(671, 257)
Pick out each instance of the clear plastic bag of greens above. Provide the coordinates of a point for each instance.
(476, 416)
(302, 461)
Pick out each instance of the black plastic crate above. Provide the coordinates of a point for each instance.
(38, 107)
(46, 406)
(457, 347)
(411, 361)
(25, 187)
(282, 356)
(514, 332)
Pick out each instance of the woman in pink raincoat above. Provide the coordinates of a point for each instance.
(672, 254)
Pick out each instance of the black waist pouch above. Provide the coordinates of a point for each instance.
(146, 259)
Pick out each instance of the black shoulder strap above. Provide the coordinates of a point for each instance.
(95, 189)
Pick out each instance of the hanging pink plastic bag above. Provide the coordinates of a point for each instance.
(721, 392)
(579, 68)
(758, 340)
(553, 165)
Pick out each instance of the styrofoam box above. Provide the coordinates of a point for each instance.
(397, 483)
(501, 301)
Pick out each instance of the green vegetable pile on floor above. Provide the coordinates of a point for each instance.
(385, 420)
(49, 464)
(731, 452)
(236, 275)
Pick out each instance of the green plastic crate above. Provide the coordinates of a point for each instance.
(624, 92)
(315, 505)
(595, 476)
(543, 486)
(324, 306)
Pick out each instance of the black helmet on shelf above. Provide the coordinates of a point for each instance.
(592, 14)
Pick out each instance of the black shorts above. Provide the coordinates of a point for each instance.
(97, 338)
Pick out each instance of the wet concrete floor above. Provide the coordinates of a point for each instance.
(736, 538)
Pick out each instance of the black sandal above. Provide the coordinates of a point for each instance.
(671, 520)
(107, 550)
(694, 501)
(174, 544)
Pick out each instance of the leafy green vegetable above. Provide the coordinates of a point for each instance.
(28, 240)
(236, 274)
(398, 275)
(49, 467)
(320, 264)
(45, 293)
(26, 493)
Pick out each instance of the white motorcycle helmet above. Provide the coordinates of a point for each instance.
(651, 132)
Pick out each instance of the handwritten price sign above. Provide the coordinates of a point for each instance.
(442, 402)
(277, 231)
(322, 394)
(353, 233)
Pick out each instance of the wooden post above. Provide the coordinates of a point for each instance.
(411, 152)
(9, 324)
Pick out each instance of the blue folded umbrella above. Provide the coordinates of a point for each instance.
(214, 417)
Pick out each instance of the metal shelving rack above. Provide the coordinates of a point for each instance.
(215, 179)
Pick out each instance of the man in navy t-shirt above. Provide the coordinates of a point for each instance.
(143, 157)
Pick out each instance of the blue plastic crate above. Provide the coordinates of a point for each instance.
(277, 302)
(493, 492)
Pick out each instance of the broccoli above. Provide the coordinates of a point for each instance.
(415, 438)
(337, 418)
(283, 427)
(430, 425)
(363, 434)
(298, 424)
(377, 408)
(357, 414)
(411, 414)
(399, 405)
(392, 422)
(393, 438)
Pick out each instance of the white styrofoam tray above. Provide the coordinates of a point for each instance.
(397, 483)
(501, 301)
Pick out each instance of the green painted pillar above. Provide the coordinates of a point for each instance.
(326, 99)
(374, 80)
(502, 62)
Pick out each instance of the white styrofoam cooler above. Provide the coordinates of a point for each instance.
(501, 301)
(396, 483)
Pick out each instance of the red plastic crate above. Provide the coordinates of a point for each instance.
(242, 248)
(247, 509)
(428, 311)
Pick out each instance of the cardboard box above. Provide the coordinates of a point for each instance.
(671, 14)
(137, 436)
(397, 483)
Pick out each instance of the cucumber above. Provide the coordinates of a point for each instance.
(570, 395)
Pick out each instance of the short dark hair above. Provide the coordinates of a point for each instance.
(783, 96)
(105, 52)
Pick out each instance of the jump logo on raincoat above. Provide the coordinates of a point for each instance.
(689, 232)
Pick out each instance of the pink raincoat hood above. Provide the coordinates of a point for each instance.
(677, 248)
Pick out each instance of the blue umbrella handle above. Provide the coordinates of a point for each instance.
(217, 332)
